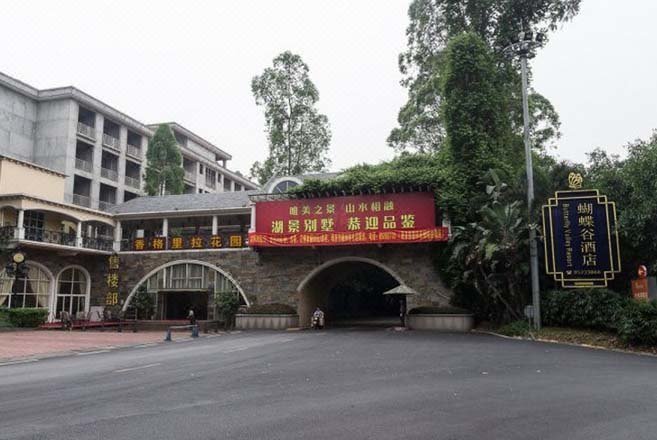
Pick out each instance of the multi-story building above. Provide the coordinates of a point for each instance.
(100, 150)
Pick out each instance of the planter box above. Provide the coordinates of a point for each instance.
(244, 321)
(449, 323)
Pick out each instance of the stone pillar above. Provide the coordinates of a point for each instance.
(117, 237)
(165, 227)
(232, 186)
(215, 224)
(221, 182)
(20, 228)
(78, 235)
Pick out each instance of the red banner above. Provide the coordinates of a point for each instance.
(380, 218)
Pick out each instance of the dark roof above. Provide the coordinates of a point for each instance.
(184, 202)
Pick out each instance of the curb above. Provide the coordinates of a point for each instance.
(569, 344)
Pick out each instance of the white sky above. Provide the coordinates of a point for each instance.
(192, 62)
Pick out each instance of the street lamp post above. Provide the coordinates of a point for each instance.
(524, 48)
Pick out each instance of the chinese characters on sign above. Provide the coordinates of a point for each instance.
(187, 242)
(391, 218)
(112, 280)
(581, 239)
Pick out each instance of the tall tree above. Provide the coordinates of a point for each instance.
(299, 136)
(164, 172)
(475, 113)
(432, 24)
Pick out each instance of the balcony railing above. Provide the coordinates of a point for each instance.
(42, 235)
(48, 236)
(133, 151)
(86, 130)
(109, 174)
(78, 199)
(110, 141)
(210, 183)
(83, 165)
(105, 206)
(222, 240)
(98, 243)
(134, 182)
(189, 176)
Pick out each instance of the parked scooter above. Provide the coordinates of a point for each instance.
(317, 320)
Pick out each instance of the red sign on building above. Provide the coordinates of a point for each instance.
(379, 218)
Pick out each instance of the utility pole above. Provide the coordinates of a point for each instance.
(523, 47)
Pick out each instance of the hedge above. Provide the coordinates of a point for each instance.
(4, 318)
(635, 322)
(439, 310)
(270, 309)
(28, 317)
(598, 309)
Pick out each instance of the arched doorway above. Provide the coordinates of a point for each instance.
(179, 286)
(350, 292)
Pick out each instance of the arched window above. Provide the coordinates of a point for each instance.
(72, 288)
(31, 291)
(284, 186)
(187, 285)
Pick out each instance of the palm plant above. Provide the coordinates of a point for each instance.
(491, 254)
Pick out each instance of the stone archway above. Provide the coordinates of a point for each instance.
(319, 287)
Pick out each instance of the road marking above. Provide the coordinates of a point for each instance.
(24, 361)
(232, 350)
(137, 368)
(84, 353)
(145, 345)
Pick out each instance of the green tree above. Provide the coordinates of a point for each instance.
(475, 113)
(299, 136)
(227, 304)
(432, 24)
(144, 303)
(164, 172)
(490, 256)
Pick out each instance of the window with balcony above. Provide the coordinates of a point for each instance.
(81, 192)
(180, 139)
(189, 167)
(226, 184)
(107, 197)
(132, 174)
(134, 145)
(86, 123)
(109, 166)
(111, 133)
(84, 157)
(127, 195)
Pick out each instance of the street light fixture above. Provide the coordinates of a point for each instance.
(524, 47)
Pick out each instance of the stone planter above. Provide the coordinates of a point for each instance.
(448, 323)
(245, 321)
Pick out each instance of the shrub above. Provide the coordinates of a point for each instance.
(638, 323)
(227, 304)
(598, 309)
(515, 328)
(271, 309)
(4, 318)
(438, 310)
(29, 317)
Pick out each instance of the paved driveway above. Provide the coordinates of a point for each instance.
(341, 384)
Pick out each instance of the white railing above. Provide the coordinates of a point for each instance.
(133, 182)
(133, 151)
(86, 130)
(110, 141)
(83, 165)
(109, 174)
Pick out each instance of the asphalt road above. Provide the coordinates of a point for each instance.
(340, 384)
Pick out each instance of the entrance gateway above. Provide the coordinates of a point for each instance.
(339, 253)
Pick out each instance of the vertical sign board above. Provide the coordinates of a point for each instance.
(347, 220)
(581, 239)
(112, 280)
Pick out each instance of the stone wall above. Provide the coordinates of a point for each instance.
(273, 275)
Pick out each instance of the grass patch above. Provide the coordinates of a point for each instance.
(595, 338)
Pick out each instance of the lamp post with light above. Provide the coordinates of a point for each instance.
(524, 47)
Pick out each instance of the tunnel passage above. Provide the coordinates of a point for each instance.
(350, 293)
